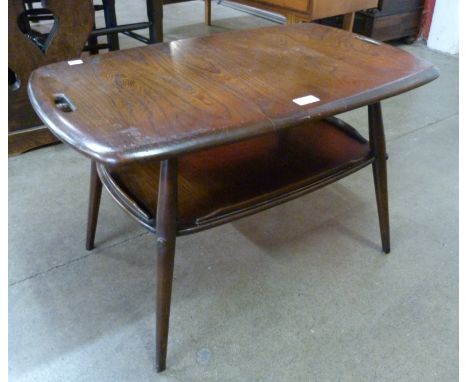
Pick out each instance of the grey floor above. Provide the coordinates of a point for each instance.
(300, 292)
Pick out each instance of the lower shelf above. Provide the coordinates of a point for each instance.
(236, 180)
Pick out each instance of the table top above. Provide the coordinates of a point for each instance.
(168, 99)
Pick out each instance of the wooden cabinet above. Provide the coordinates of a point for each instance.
(395, 19)
(307, 10)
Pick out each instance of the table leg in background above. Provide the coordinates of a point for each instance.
(155, 16)
(208, 12)
(348, 21)
(111, 21)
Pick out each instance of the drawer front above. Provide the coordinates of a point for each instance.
(295, 5)
(330, 8)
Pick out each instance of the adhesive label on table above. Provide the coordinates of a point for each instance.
(306, 100)
(75, 62)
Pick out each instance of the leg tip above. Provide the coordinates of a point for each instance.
(160, 368)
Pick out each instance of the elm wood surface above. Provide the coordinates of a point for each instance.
(73, 24)
(305, 10)
(169, 99)
(216, 115)
(229, 181)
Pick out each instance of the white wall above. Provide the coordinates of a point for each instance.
(443, 35)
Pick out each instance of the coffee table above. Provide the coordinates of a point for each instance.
(192, 134)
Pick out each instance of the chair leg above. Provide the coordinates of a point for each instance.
(379, 167)
(95, 190)
(92, 43)
(111, 21)
(208, 12)
(166, 239)
(155, 17)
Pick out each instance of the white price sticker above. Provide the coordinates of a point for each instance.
(75, 62)
(306, 100)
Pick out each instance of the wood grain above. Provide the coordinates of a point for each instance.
(168, 99)
(230, 181)
(195, 133)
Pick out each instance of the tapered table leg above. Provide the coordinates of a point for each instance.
(166, 238)
(155, 16)
(95, 190)
(379, 167)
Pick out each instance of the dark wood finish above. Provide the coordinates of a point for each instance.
(111, 21)
(310, 156)
(155, 16)
(28, 139)
(210, 124)
(95, 189)
(395, 19)
(66, 40)
(166, 238)
(379, 168)
(173, 98)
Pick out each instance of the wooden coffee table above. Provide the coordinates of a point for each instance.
(192, 134)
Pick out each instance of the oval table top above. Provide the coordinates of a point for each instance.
(168, 99)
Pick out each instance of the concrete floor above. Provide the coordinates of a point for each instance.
(300, 292)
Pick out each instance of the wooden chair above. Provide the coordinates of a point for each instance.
(29, 47)
(37, 14)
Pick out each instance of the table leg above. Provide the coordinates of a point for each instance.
(379, 167)
(155, 17)
(95, 190)
(348, 21)
(208, 12)
(166, 238)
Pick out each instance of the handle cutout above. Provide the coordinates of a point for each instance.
(63, 103)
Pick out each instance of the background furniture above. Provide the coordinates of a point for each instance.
(28, 50)
(70, 24)
(233, 136)
(306, 10)
(395, 19)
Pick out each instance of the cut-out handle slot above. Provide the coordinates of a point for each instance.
(63, 103)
